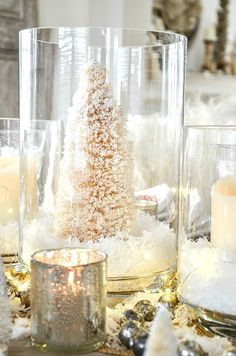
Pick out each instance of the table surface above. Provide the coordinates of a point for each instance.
(23, 348)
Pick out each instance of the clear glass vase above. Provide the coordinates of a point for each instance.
(9, 187)
(39, 165)
(119, 96)
(207, 230)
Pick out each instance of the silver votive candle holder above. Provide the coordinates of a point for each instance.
(68, 299)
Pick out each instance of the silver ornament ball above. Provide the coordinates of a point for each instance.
(230, 352)
(131, 315)
(139, 342)
(137, 338)
(168, 300)
(127, 332)
(190, 348)
(146, 309)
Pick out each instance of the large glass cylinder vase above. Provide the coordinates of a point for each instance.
(119, 96)
(207, 233)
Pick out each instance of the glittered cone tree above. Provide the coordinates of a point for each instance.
(95, 195)
(221, 32)
(5, 315)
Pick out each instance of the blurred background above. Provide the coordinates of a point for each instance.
(209, 25)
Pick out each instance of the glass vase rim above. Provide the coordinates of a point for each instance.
(177, 37)
(33, 260)
(29, 122)
(13, 119)
(9, 124)
(40, 120)
(38, 124)
(211, 127)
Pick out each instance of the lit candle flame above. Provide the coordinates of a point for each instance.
(71, 277)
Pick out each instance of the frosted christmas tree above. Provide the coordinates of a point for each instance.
(95, 196)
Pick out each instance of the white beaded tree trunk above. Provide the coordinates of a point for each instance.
(95, 196)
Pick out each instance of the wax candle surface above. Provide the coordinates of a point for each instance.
(223, 214)
(9, 188)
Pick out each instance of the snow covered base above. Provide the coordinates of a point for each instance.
(213, 346)
(208, 277)
(150, 249)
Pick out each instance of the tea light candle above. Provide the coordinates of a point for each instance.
(68, 299)
(223, 214)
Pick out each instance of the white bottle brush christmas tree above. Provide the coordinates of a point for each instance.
(95, 195)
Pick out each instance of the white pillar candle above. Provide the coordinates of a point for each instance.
(9, 188)
(223, 214)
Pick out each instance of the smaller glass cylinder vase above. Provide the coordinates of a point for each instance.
(68, 299)
(207, 230)
(39, 164)
(9, 187)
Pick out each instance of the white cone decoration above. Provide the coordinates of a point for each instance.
(5, 318)
(95, 189)
(161, 341)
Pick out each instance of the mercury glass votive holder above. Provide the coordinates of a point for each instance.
(68, 299)
(207, 229)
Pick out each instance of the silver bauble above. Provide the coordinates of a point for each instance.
(190, 348)
(127, 332)
(131, 315)
(168, 300)
(230, 352)
(146, 309)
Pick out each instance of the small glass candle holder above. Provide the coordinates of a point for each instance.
(207, 230)
(68, 299)
(9, 187)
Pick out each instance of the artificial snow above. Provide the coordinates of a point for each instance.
(20, 329)
(9, 238)
(207, 277)
(150, 249)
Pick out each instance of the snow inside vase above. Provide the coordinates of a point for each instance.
(207, 231)
(118, 95)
